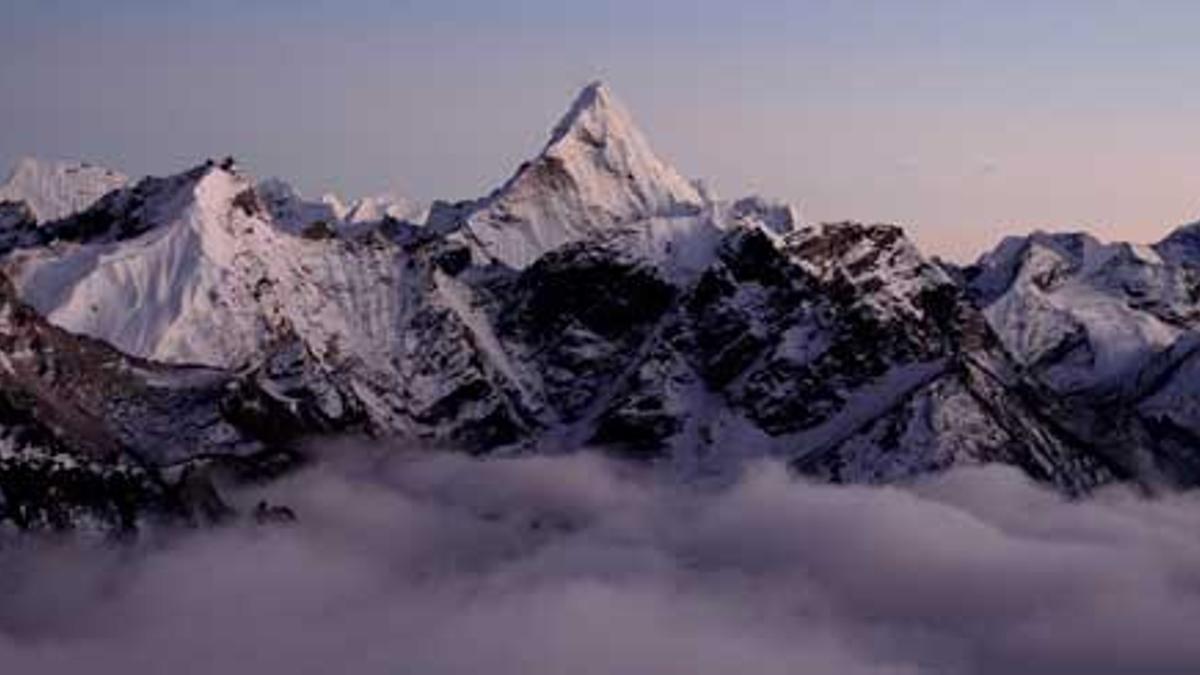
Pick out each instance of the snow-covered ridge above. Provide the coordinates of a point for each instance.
(295, 212)
(57, 189)
(1086, 313)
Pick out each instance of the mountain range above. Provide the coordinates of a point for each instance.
(155, 334)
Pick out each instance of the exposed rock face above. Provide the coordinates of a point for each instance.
(16, 215)
(578, 317)
(843, 351)
(18, 225)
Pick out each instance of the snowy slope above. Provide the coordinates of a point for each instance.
(55, 190)
(596, 172)
(1114, 328)
(1082, 313)
(212, 281)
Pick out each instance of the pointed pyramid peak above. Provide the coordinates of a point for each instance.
(596, 172)
(597, 141)
(593, 92)
(594, 114)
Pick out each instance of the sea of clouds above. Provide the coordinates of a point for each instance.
(433, 563)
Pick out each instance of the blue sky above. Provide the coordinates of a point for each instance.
(960, 120)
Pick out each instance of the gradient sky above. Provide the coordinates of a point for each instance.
(962, 121)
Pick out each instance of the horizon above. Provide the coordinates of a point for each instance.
(969, 124)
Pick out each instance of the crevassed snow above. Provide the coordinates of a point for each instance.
(56, 189)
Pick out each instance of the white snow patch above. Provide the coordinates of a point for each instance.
(57, 189)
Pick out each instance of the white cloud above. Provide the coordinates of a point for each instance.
(424, 563)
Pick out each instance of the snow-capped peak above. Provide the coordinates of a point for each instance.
(1182, 245)
(776, 216)
(597, 113)
(597, 138)
(56, 189)
(596, 172)
(386, 205)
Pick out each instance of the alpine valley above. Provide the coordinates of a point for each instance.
(155, 333)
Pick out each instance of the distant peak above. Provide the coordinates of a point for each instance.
(55, 189)
(29, 165)
(1181, 245)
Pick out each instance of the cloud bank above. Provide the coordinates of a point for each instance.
(421, 563)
